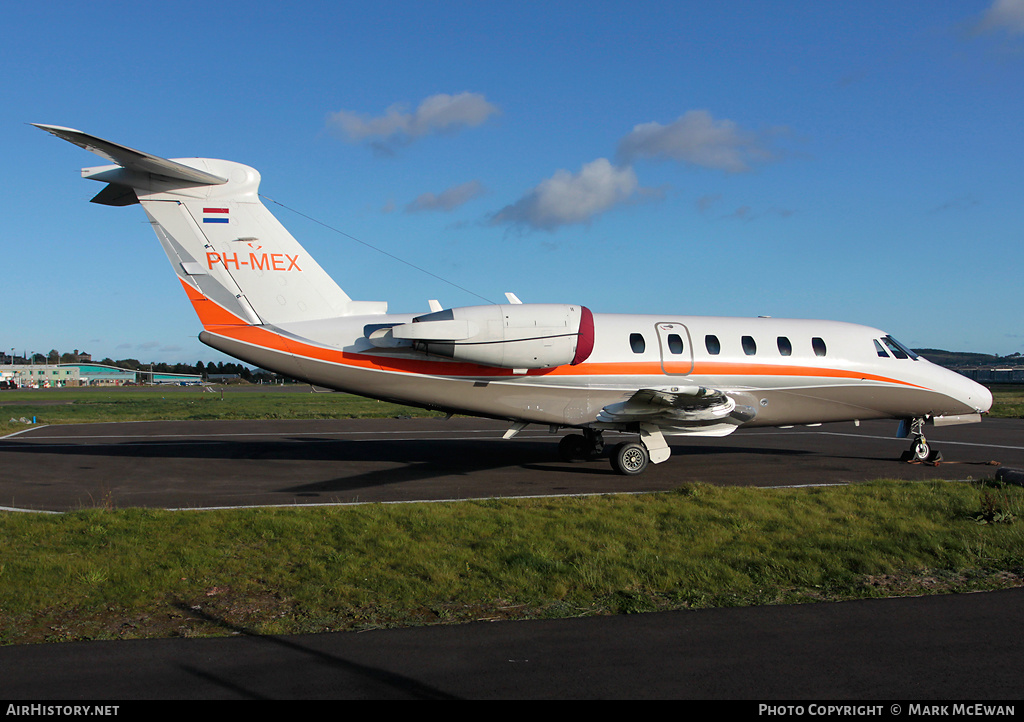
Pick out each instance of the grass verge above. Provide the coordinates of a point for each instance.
(83, 406)
(132, 573)
(1007, 401)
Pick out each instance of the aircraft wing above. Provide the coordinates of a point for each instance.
(680, 410)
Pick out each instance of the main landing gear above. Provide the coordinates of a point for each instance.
(629, 458)
(920, 451)
(585, 447)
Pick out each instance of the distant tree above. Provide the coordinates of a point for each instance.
(53, 357)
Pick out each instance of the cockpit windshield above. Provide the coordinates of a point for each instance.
(897, 349)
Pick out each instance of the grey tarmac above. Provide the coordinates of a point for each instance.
(879, 651)
(203, 464)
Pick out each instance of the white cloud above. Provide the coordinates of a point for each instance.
(568, 198)
(697, 138)
(1005, 15)
(439, 113)
(448, 199)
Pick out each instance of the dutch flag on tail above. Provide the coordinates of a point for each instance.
(215, 215)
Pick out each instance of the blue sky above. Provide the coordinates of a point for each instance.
(853, 161)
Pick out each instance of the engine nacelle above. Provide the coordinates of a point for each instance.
(514, 336)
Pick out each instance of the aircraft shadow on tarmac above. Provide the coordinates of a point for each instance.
(474, 455)
(325, 467)
(364, 464)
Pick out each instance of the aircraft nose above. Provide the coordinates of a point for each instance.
(984, 398)
(975, 395)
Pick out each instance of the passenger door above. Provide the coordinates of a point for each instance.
(675, 347)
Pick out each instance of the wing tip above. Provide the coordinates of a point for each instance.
(130, 158)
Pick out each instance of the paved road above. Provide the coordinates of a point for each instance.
(232, 463)
(925, 649)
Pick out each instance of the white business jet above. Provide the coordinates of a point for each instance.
(263, 299)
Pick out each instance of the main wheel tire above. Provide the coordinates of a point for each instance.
(630, 458)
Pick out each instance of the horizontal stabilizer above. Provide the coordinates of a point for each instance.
(134, 160)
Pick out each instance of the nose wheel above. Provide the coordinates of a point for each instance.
(920, 451)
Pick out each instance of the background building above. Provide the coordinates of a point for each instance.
(93, 374)
(52, 376)
(40, 376)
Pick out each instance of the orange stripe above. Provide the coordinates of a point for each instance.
(217, 320)
(210, 313)
(266, 339)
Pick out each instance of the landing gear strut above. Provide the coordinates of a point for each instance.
(920, 451)
(576, 447)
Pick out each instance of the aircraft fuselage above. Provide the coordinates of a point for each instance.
(833, 371)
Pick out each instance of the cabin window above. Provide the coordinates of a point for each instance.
(785, 347)
(637, 343)
(749, 347)
(819, 346)
(879, 350)
(675, 344)
(712, 344)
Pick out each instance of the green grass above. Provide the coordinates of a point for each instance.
(78, 406)
(105, 574)
(1008, 401)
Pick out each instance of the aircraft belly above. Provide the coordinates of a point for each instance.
(846, 402)
(515, 399)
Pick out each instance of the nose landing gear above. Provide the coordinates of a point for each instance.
(920, 451)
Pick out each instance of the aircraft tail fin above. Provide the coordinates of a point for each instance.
(131, 159)
(237, 263)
